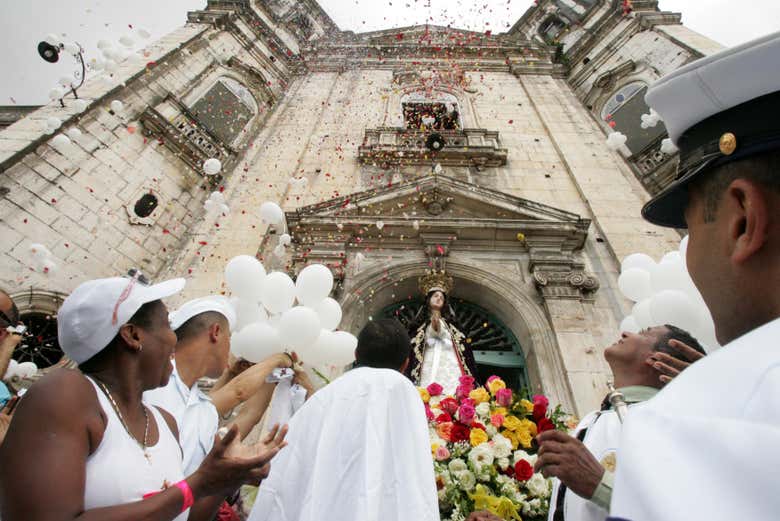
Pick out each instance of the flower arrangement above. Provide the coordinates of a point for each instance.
(483, 450)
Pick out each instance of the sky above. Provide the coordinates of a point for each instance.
(28, 79)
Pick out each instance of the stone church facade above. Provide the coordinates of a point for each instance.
(523, 204)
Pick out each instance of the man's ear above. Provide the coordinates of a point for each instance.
(215, 330)
(748, 219)
(405, 365)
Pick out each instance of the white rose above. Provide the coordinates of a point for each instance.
(457, 466)
(481, 455)
(467, 480)
(538, 486)
(503, 463)
(502, 447)
(434, 401)
(491, 431)
(521, 454)
(483, 409)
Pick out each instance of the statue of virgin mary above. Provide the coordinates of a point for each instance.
(439, 350)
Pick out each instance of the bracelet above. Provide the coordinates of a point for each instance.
(292, 360)
(189, 498)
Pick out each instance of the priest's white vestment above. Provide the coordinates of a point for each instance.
(708, 445)
(358, 451)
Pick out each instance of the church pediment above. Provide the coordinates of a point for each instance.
(437, 203)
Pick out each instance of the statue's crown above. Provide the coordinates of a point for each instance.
(436, 280)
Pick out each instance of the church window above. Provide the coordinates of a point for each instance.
(145, 205)
(226, 109)
(434, 111)
(551, 28)
(623, 112)
(38, 311)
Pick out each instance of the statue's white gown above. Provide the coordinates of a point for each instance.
(440, 362)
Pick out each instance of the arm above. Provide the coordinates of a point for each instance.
(246, 385)
(7, 346)
(668, 366)
(253, 410)
(236, 366)
(568, 459)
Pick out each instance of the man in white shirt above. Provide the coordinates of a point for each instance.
(706, 447)
(203, 328)
(358, 449)
(584, 463)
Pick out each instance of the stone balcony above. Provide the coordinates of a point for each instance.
(390, 146)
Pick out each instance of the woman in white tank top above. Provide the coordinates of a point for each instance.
(87, 448)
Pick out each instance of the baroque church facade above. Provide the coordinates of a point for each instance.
(392, 152)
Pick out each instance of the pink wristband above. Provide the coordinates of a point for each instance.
(189, 498)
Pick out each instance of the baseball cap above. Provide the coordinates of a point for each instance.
(216, 303)
(91, 316)
(717, 110)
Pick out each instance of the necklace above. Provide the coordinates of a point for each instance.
(143, 444)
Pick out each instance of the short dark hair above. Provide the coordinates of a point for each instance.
(681, 335)
(762, 169)
(144, 318)
(383, 344)
(198, 324)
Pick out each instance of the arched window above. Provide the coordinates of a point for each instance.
(431, 111)
(623, 112)
(145, 205)
(551, 28)
(226, 109)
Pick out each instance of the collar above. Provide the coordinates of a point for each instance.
(189, 395)
(638, 393)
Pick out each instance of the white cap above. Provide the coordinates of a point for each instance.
(216, 303)
(91, 316)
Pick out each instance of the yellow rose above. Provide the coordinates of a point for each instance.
(525, 438)
(479, 395)
(512, 423)
(434, 446)
(528, 407)
(424, 394)
(528, 425)
(477, 437)
(501, 410)
(512, 437)
(495, 384)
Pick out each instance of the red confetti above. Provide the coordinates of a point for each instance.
(165, 231)
(202, 243)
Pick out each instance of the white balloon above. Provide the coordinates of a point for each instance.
(110, 66)
(212, 166)
(313, 284)
(127, 40)
(60, 141)
(72, 48)
(279, 251)
(669, 275)
(629, 325)
(642, 315)
(271, 213)
(672, 256)
(74, 133)
(320, 352)
(634, 283)
(248, 312)
(66, 82)
(56, 93)
(344, 348)
(53, 123)
(80, 105)
(684, 250)
(278, 292)
(39, 251)
(285, 239)
(52, 39)
(256, 342)
(638, 260)
(117, 105)
(103, 44)
(299, 328)
(143, 33)
(675, 308)
(329, 312)
(245, 276)
(13, 366)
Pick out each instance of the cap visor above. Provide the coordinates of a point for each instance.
(163, 289)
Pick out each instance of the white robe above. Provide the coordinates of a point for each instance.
(358, 451)
(440, 363)
(708, 445)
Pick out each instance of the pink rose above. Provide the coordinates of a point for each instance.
(497, 420)
(466, 413)
(467, 380)
(442, 453)
(504, 397)
(429, 413)
(540, 399)
(494, 377)
(435, 389)
(462, 391)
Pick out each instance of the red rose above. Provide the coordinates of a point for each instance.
(460, 432)
(544, 425)
(542, 399)
(523, 470)
(428, 412)
(443, 417)
(435, 389)
(540, 411)
(449, 405)
(477, 425)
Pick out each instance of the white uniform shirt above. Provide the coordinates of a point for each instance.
(358, 450)
(708, 445)
(196, 416)
(602, 439)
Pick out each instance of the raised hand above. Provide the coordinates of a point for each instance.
(668, 366)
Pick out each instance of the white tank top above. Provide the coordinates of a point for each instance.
(118, 472)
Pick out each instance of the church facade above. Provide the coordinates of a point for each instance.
(392, 153)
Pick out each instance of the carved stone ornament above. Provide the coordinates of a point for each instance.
(575, 284)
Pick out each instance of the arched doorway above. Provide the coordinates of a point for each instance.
(38, 311)
(496, 349)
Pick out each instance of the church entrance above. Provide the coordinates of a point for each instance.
(496, 349)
